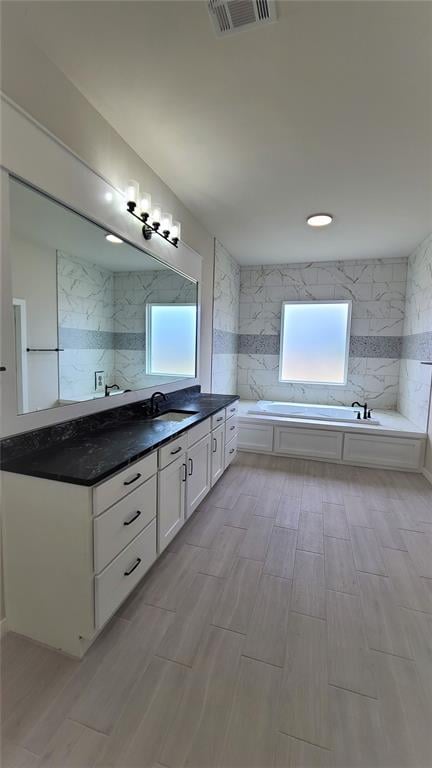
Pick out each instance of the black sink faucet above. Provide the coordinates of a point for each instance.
(366, 412)
(154, 405)
(108, 387)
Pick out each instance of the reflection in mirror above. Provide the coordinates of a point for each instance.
(92, 317)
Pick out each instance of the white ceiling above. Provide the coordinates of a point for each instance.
(329, 109)
(36, 218)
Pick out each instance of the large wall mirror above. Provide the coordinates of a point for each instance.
(92, 317)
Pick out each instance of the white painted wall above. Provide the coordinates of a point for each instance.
(34, 280)
(31, 80)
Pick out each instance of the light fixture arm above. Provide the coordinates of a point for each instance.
(149, 229)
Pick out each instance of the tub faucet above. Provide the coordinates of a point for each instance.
(366, 412)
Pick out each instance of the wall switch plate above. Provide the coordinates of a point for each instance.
(99, 381)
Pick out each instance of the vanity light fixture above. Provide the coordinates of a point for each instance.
(319, 219)
(113, 239)
(152, 218)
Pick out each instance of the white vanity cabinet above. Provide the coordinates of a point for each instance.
(74, 553)
(198, 473)
(218, 453)
(171, 500)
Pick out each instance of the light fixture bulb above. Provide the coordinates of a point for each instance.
(113, 239)
(176, 229)
(319, 219)
(166, 222)
(132, 192)
(157, 214)
(145, 205)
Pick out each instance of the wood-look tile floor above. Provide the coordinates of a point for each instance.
(288, 625)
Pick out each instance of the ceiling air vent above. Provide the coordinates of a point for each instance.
(230, 15)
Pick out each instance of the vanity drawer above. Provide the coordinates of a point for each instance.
(230, 451)
(197, 433)
(231, 429)
(232, 410)
(218, 418)
(115, 528)
(120, 485)
(113, 585)
(172, 450)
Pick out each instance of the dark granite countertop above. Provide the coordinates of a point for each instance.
(87, 460)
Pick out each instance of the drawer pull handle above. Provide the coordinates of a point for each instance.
(177, 450)
(232, 450)
(133, 480)
(132, 519)
(184, 472)
(214, 445)
(132, 568)
(232, 410)
(231, 428)
(220, 418)
(190, 467)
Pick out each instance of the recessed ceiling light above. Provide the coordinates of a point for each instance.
(113, 239)
(319, 219)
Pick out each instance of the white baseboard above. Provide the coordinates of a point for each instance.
(427, 474)
(3, 627)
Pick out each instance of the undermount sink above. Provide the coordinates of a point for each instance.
(175, 415)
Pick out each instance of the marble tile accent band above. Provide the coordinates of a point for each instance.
(418, 346)
(75, 338)
(360, 346)
(225, 342)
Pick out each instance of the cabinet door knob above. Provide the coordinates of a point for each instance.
(133, 479)
(184, 472)
(232, 450)
(132, 519)
(190, 467)
(214, 445)
(132, 568)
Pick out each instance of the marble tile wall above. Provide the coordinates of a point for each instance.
(415, 379)
(86, 323)
(377, 290)
(132, 291)
(225, 322)
(102, 323)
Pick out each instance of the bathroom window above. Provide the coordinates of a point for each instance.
(171, 339)
(315, 342)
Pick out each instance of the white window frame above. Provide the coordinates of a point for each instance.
(347, 347)
(148, 337)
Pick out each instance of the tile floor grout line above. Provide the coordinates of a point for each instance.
(305, 741)
(351, 690)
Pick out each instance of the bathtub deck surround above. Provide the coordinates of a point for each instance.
(394, 442)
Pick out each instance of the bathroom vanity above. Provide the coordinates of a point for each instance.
(86, 517)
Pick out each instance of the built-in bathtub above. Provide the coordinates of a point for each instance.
(313, 412)
(331, 433)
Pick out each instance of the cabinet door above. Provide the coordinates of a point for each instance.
(171, 498)
(217, 455)
(199, 473)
